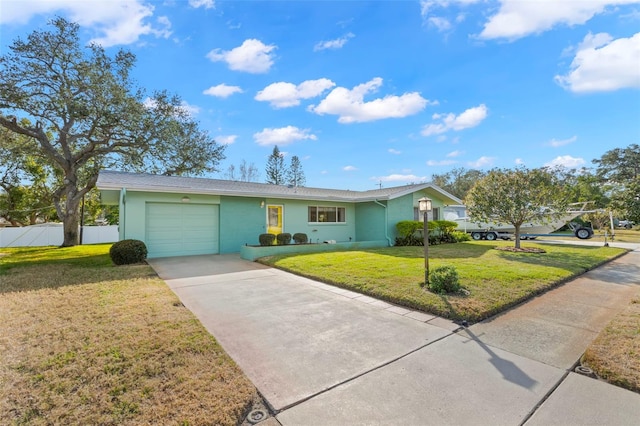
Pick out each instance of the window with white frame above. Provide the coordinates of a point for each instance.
(327, 214)
(434, 214)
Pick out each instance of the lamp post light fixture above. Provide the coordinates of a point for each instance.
(424, 206)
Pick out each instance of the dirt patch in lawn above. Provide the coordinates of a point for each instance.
(521, 249)
(114, 347)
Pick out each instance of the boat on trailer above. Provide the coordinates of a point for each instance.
(529, 230)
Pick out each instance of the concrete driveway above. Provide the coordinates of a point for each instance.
(321, 355)
(294, 337)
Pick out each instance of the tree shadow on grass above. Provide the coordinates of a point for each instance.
(438, 251)
(57, 274)
(575, 263)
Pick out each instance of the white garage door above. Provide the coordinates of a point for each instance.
(181, 229)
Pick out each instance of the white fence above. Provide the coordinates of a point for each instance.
(50, 234)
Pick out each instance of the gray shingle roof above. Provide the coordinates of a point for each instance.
(113, 180)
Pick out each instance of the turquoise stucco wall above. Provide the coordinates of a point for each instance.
(295, 219)
(400, 209)
(242, 220)
(436, 202)
(370, 221)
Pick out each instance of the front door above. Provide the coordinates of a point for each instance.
(274, 219)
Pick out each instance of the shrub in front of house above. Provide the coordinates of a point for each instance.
(266, 239)
(444, 279)
(460, 236)
(283, 238)
(127, 252)
(408, 232)
(300, 238)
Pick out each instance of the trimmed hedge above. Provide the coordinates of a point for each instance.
(283, 238)
(266, 239)
(300, 238)
(127, 252)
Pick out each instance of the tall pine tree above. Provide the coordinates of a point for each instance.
(295, 175)
(276, 172)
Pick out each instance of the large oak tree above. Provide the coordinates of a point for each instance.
(88, 114)
(517, 196)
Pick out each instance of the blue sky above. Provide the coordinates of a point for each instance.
(381, 92)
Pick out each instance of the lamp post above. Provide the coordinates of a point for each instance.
(424, 206)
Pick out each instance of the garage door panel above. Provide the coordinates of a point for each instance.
(181, 229)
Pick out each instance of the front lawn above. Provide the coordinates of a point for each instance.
(493, 279)
(86, 342)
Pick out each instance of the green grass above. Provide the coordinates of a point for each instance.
(493, 279)
(86, 342)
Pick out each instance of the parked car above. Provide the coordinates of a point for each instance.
(628, 224)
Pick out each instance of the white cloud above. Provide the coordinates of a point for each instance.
(566, 161)
(190, 110)
(519, 161)
(282, 136)
(351, 107)
(349, 168)
(562, 142)
(283, 95)
(333, 44)
(467, 119)
(602, 64)
(207, 4)
(517, 18)
(115, 22)
(399, 178)
(441, 162)
(394, 151)
(454, 154)
(222, 90)
(252, 56)
(442, 24)
(226, 139)
(481, 162)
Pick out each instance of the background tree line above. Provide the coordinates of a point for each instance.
(277, 172)
(614, 182)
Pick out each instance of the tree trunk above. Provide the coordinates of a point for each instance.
(70, 226)
(517, 236)
(67, 209)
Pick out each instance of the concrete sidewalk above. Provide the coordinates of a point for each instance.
(325, 356)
